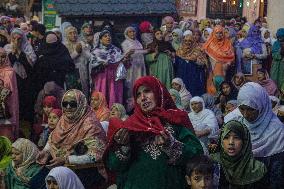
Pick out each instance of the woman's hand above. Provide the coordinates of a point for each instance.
(203, 133)
(164, 139)
(79, 48)
(122, 136)
(42, 157)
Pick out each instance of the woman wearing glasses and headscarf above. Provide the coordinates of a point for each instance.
(78, 138)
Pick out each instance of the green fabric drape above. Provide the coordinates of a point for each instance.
(5, 152)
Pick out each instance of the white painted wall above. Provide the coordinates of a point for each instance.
(275, 15)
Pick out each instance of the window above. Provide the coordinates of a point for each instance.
(224, 8)
(187, 7)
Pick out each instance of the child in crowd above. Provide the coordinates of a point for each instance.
(48, 104)
(200, 173)
(53, 119)
(239, 169)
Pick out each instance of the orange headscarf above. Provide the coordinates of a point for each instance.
(221, 51)
(102, 112)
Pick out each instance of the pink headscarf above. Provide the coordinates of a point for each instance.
(8, 75)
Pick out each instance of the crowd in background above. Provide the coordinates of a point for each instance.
(187, 105)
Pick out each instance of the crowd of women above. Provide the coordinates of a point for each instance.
(184, 105)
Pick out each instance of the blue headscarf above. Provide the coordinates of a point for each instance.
(253, 40)
(277, 46)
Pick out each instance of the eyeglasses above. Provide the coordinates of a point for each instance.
(72, 104)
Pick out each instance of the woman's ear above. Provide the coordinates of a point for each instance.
(187, 178)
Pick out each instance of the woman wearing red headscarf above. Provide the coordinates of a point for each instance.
(151, 147)
(221, 53)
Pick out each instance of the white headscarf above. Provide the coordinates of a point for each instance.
(267, 131)
(184, 93)
(187, 32)
(65, 178)
(209, 30)
(203, 120)
(270, 39)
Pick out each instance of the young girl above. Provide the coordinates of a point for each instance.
(53, 119)
(238, 167)
(48, 104)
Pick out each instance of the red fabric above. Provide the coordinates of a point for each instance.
(166, 110)
(49, 101)
(57, 112)
(145, 27)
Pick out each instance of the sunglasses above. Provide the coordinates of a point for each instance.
(72, 104)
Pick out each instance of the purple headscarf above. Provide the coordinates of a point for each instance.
(253, 40)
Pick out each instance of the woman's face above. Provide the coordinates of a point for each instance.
(146, 99)
(88, 30)
(17, 156)
(232, 144)
(47, 110)
(69, 105)
(176, 86)
(266, 35)
(206, 34)
(175, 36)
(52, 184)
(114, 112)
(95, 102)
(3, 58)
(188, 40)
(17, 39)
(72, 36)
(249, 113)
(106, 39)
(52, 120)
(196, 36)
(219, 35)
(260, 76)
(244, 33)
(226, 89)
(239, 80)
(227, 33)
(159, 35)
(169, 25)
(131, 34)
(196, 106)
(230, 107)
